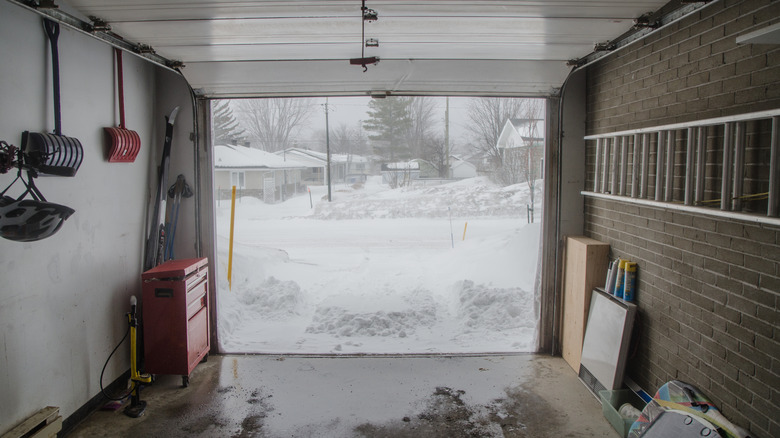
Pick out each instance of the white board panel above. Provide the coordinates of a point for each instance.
(607, 338)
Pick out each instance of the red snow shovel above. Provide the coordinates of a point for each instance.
(123, 144)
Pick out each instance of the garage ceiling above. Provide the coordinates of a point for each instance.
(236, 48)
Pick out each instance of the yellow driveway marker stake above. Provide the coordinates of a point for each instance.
(230, 250)
(464, 230)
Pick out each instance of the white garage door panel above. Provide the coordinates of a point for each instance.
(237, 79)
(386, 52)
(310, 32)
(252, 47)
(145, 10)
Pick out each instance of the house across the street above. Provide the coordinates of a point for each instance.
(521, 145)
(343, 167)
(256, 173)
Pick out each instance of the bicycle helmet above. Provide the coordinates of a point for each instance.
(28, 220)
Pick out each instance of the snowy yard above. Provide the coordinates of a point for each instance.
(375, 271)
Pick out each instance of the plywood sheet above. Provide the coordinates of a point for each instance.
(586, 264)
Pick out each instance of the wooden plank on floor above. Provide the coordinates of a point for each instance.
(44, 423)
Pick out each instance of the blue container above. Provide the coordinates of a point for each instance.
(619, 281)
(629, 282)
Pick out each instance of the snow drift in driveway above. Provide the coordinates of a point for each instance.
(439, 269)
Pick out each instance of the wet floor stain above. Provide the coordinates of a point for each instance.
(252, 426)
(520, 414)
(241, 413)
(245, 397)
(225, 389)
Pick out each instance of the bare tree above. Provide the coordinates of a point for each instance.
(486, 119)
(522, 162)
(273, 122)
(422, 112)
(435, 152)
(348, 140)
(535, 154)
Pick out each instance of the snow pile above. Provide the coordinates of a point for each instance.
(494, 308)
(252, 296)
(342, 322)
(273, 299)
(476, 197)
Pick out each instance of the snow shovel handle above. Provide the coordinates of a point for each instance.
(53, 31)
(120, 88)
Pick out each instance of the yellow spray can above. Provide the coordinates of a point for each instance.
(629, 282)
(620, 278)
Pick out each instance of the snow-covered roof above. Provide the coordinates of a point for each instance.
(240, 157)
(458, 163)
(521, 132)
(454, 158)
(322, 157)
(403, 165)
(527, 125)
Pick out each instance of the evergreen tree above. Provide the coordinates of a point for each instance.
(389, 121)
(225, 127)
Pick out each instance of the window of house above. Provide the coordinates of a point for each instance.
(237, 179)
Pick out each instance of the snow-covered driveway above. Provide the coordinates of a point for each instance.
(381, 271)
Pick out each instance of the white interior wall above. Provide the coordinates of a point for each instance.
(63, 299)
(571, 201)
(172, 91)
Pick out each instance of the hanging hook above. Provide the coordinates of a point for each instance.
(10, 157)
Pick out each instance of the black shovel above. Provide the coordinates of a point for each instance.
(53, 154)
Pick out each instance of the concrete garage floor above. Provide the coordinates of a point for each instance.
(289, 396)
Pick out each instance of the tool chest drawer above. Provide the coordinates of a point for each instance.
(175, 319)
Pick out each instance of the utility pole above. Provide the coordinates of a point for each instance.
(447, 139)
(327, 146)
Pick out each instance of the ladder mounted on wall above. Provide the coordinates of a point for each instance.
(681, 163)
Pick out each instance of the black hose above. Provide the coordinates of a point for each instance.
(104, 369)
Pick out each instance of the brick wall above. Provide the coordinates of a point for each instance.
(709, 288)
(691, 70)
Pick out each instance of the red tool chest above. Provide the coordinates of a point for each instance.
(176, 317)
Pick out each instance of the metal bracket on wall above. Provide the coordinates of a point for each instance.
(646, 21)
(97, 29)
(99, 25)
(643, 26)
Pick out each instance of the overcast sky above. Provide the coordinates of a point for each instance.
(352, 110)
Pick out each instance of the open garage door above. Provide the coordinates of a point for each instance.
(405, 225)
